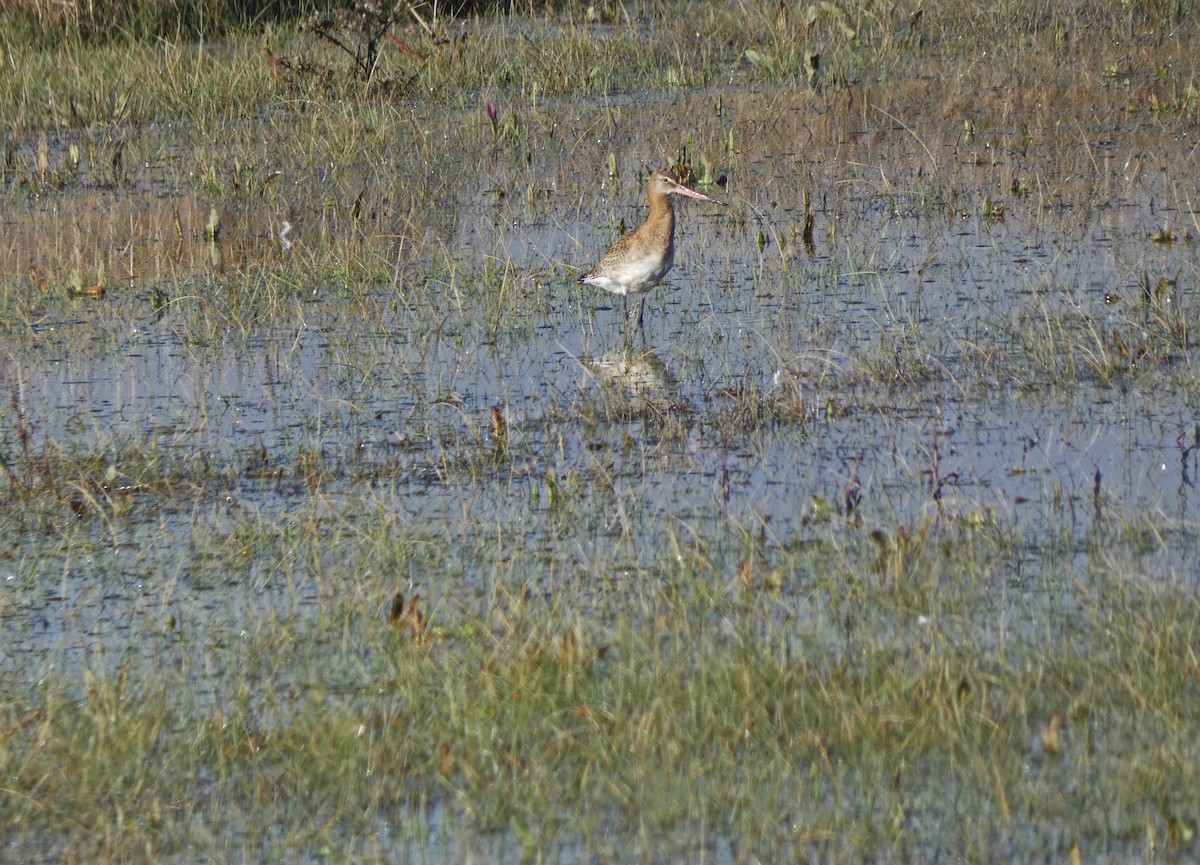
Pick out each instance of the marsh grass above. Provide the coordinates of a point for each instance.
(810, 717)
(131, 80)
(603, 649)
(802, 698)
(104, 21)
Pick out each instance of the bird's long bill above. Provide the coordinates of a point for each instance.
(680, 189)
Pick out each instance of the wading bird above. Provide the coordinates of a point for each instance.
(639, 260)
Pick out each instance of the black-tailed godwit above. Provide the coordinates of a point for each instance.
(639, 260)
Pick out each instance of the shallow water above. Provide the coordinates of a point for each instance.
(926, 361)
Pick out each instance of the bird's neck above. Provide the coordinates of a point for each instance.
(662, 216)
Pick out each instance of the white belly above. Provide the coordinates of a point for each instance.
(633, 275)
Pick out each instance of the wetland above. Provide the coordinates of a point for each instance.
(341, 523)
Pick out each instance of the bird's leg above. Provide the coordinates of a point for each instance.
(641, 311)
(625, 308)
